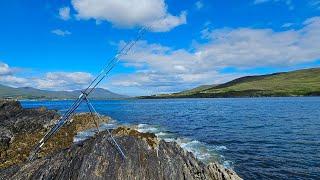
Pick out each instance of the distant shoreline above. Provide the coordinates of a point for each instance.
(230, 97)
(150, 98)
(305, 82)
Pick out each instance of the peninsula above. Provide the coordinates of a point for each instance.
(304, 82)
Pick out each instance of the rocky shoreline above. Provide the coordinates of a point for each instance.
(95, 158)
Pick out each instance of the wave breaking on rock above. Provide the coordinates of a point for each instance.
(96, 158)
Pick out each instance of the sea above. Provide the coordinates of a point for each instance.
(259, 138)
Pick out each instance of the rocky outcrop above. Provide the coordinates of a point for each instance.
(97, 157)
(150, 138)
(17, 120)
(18, 124)
(14, 119)
(21, 129)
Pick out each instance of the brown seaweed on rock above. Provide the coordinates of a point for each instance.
(150, 138)
(96, 157)
(23, 141)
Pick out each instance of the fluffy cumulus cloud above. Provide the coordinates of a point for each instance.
(63, 80)
(7, 75)
(130, 13)
(60, 32)
(242, 48)
(155, 82)
(164, 70)
(6, 70)
(48, 81)
(64, 13)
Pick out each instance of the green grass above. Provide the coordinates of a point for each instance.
(197, 89)
(296, 83)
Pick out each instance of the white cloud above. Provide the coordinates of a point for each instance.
(244, 47)
(14, 81)
(64, 13)
(6, 70)
(199, 5)
(315, 4)
(286, 25)
(48, 81)
(286, 2)
(63, 80)
(261, 1)
(130, 13)
(241, 47)
(7, 76)
(155, 82)
(163, 69)
(60, 32)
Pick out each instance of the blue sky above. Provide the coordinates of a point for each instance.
(63, 44)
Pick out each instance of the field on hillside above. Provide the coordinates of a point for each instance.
(296, 83)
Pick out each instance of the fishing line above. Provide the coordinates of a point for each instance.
(84, 94)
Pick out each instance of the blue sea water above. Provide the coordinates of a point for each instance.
(260, 138)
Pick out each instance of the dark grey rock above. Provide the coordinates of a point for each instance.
(15, 119)
(97, 158)
(5, 138)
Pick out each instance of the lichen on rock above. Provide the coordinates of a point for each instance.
(150, 138)
(96, 157)
(18, 137)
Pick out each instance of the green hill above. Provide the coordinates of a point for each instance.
(32, 93)
(304, 82)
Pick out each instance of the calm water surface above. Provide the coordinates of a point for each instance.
(260, 138)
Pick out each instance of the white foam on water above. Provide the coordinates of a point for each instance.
(204, 152)
(228, 164)
(105, 126)
(169, 139)
(221, 148)
(197, 148)
(83, 135)
(147, 128)
(161, 134)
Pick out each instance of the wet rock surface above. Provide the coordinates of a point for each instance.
(97, 158)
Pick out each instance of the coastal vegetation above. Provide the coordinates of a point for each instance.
(304, 82)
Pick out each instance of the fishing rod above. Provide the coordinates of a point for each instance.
(85, 93)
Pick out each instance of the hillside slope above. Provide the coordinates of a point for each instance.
(32, 93)
(304, 82)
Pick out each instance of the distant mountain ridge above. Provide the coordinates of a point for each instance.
(33, 93)
(305, 82)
